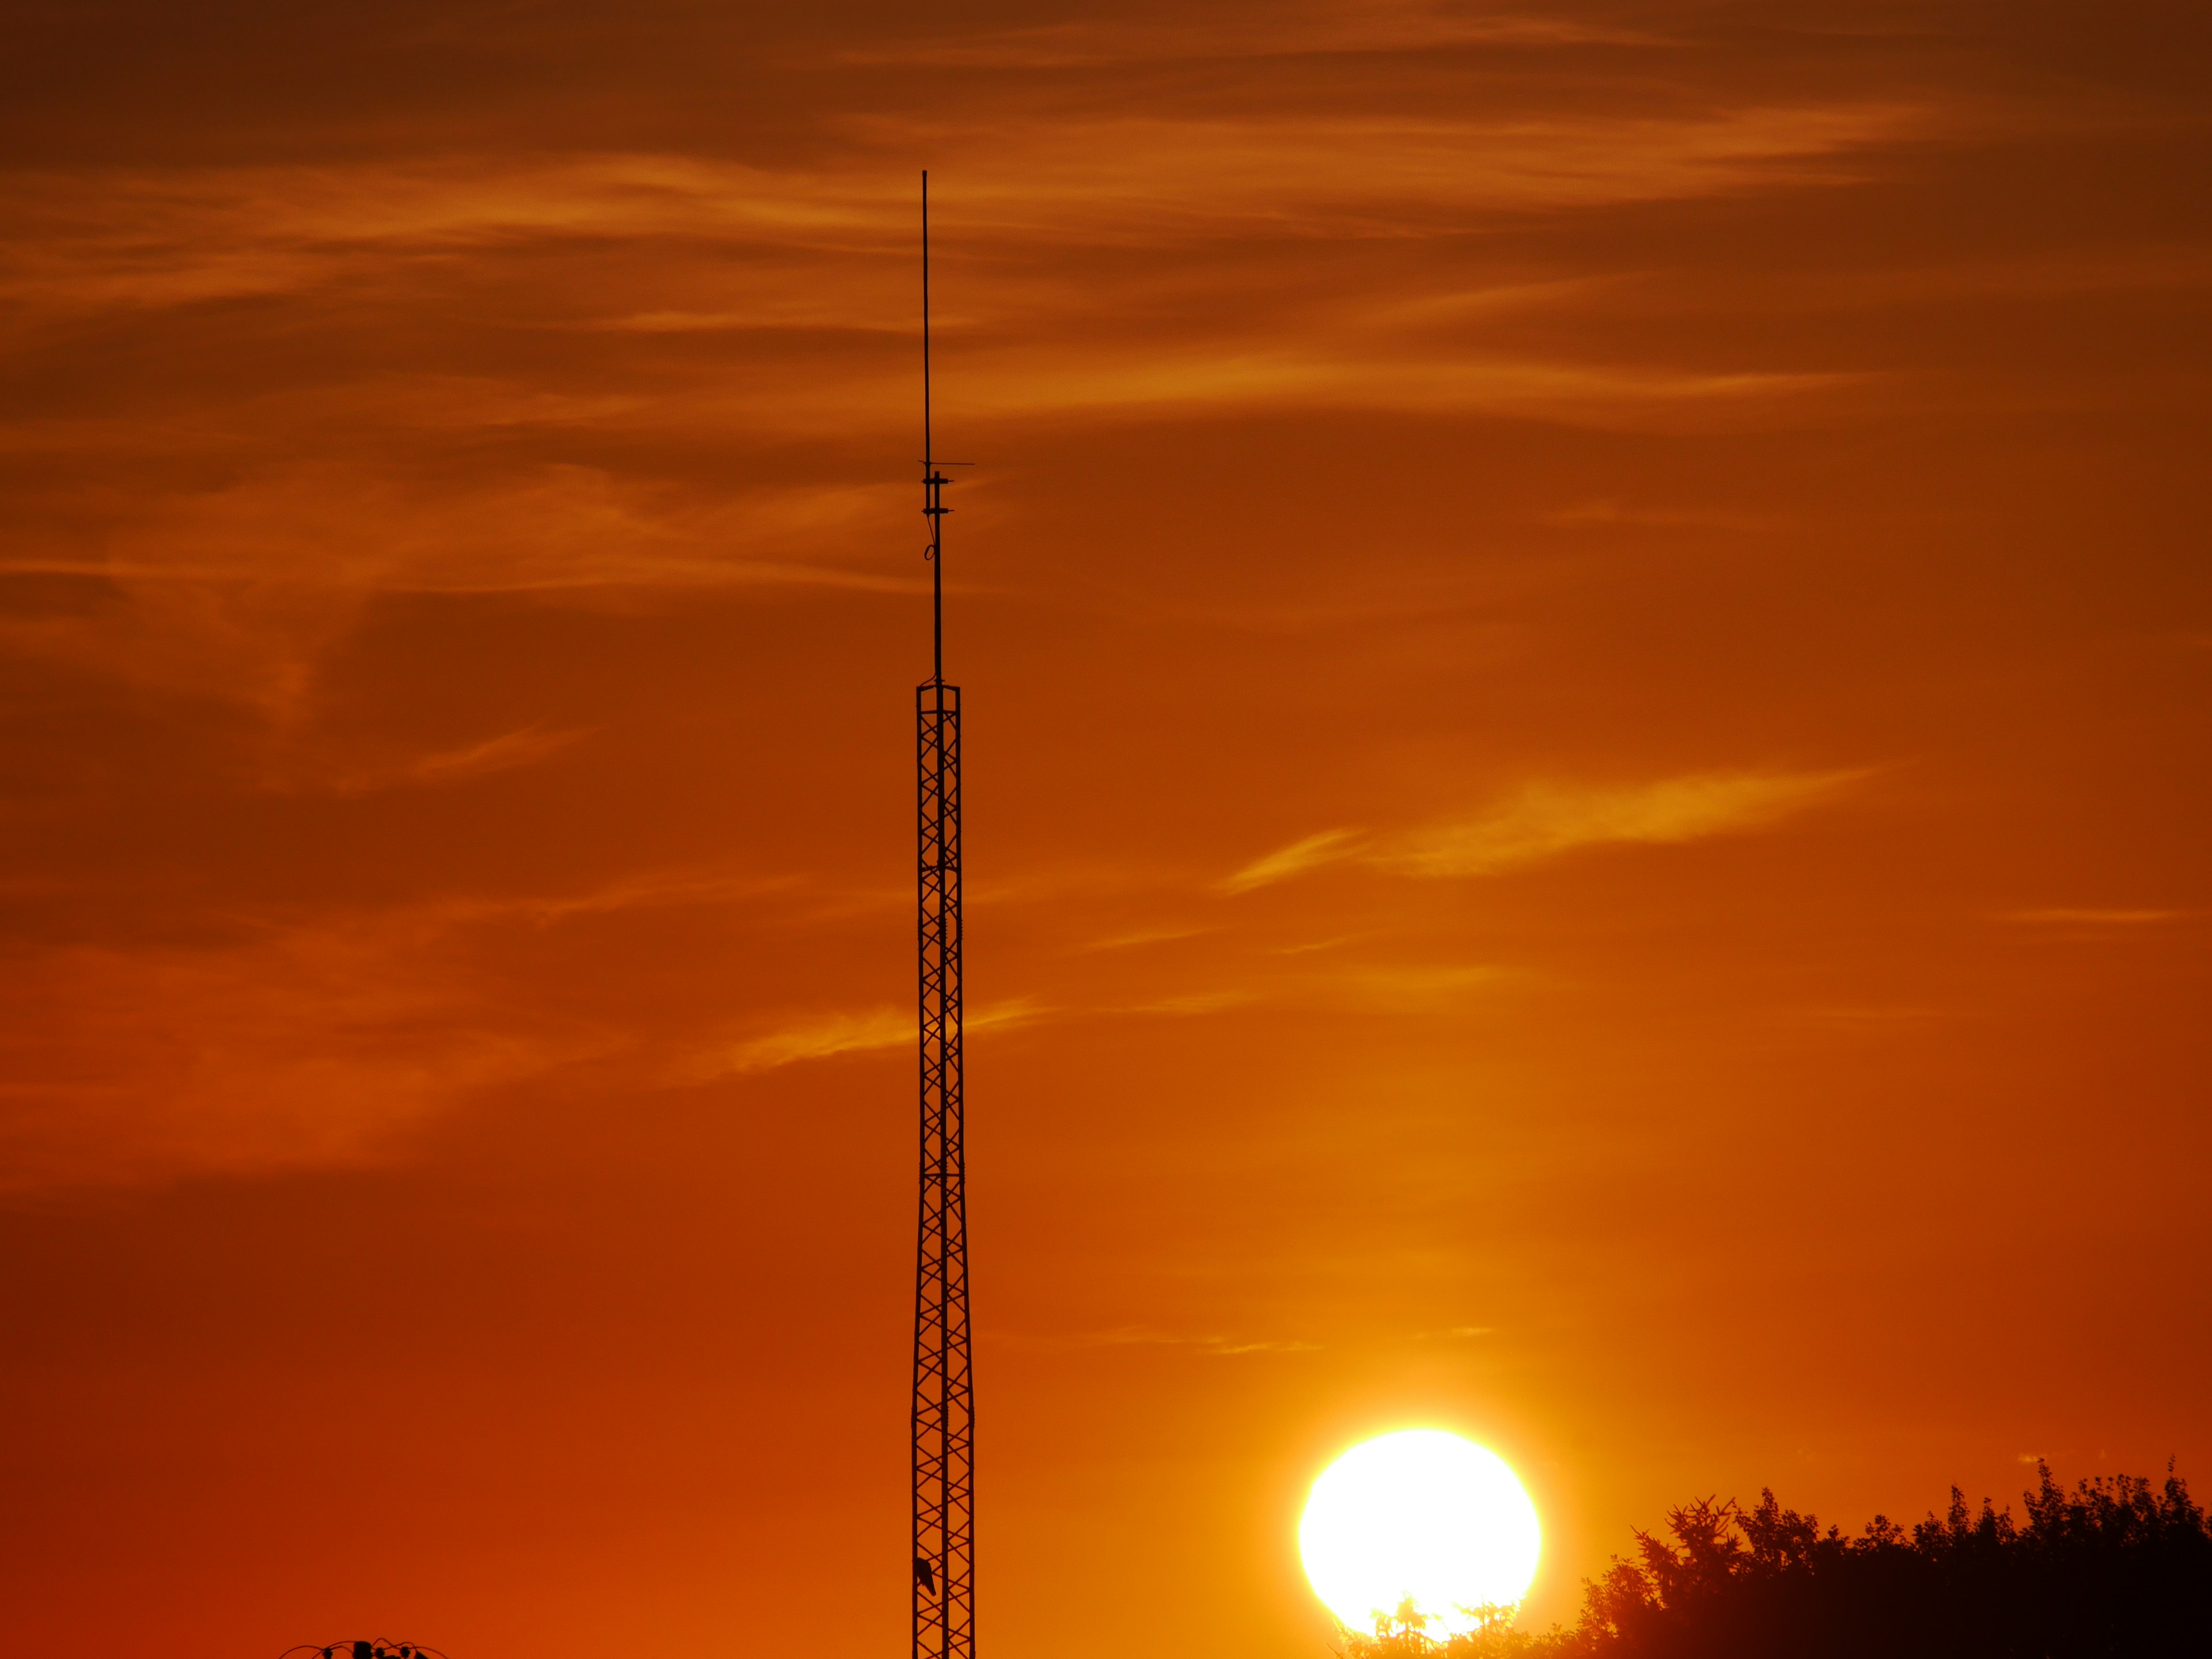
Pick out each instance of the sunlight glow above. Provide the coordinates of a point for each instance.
(1419, 1513)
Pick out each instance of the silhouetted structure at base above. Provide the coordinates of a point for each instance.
(2117, 1569)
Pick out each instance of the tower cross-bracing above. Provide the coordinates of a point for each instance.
(943, 1384)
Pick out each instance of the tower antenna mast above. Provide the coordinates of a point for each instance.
(944, 1385)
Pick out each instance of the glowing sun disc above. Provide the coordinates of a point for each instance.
(1422, 1513)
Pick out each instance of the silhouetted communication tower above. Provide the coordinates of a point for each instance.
(943, 1384)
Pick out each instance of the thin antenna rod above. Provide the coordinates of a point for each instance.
(925, 317)
(932, 485)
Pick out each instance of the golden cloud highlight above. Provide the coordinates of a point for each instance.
(1329, 847)
(824, 1036)
(1545, 820)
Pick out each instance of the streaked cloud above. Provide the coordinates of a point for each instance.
(212, 595)
(1132, 938)
(1331, 374)
(1404, 986)
(1328, 847)
(307, 1047)
(657, 889)
(2092, 916)
(525, 746)
(327, 1041)
(1142, 178)
(1280, 32)
(824, 1036)
(1147, 1336)
(180, 236)
(1545, 820)
(268, 508)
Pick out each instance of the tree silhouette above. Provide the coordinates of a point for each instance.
(2118, 1568)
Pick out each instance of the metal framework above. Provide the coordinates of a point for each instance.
(943, 1384)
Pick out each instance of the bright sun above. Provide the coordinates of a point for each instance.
(1419, 1513)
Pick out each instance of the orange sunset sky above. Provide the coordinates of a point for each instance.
(1588, 651)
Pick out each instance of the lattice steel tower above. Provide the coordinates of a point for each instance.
(944, 1385)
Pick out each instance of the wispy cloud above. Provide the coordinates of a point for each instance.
(824, 1036)
(523, 747)
(1403, 986)
(507, 753)
(1148, 1336)
(2098, 916)
(185, 235)
(1163, 934)
(649, 889)
(820, 1038)
(323, 1041)
(1545, 820)
(260, 525)
(1328, 846)
(307, 1048)
(212, 593)
(1277, 32)
(1339, 372)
